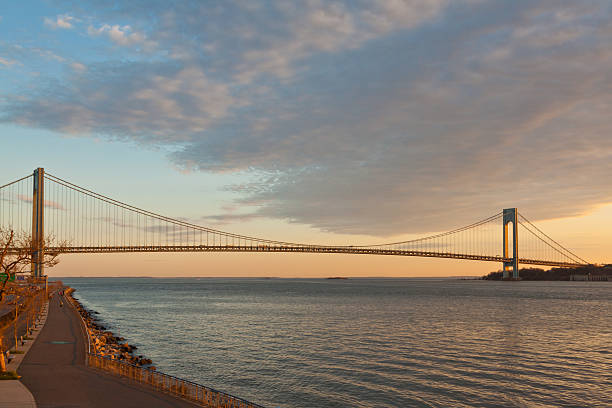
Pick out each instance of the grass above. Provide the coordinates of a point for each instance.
(9, 375)
(27, 338)
(16, 351)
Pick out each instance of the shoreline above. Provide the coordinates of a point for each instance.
(586, 273)
(103, 341)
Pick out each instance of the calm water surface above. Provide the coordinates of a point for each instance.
(371, 342)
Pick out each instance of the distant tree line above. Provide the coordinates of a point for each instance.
(560, 274)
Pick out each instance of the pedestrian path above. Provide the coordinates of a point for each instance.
(13, 394)
(54, 371)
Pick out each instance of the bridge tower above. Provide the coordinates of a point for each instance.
(511, 220)
(38, 213)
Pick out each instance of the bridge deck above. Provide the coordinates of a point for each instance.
(305, 249)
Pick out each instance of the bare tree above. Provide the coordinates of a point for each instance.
(16, 255)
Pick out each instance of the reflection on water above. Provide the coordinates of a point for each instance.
(371, 342)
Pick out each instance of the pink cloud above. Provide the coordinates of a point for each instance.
(48, 203)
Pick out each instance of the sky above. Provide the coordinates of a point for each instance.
(317, 121)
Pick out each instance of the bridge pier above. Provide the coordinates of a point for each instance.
(38, 231)
(510, 217)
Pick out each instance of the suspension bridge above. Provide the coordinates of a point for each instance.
(67, 218)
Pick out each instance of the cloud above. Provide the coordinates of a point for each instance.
(121, 35)
(47, 54)
(377, 118)
(48, 203)
(479, 121)
(7, 62)
(228, 217)
(153, 104)
(64, 21)
(318, 26)
(78, 67)
(268, 38)
(26, 53)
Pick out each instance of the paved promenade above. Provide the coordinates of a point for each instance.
(55, 373)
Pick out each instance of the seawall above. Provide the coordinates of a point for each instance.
(103, 341)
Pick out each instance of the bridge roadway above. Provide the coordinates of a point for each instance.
(303, 249)
(57, 376)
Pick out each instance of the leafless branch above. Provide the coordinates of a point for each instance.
(17, 254)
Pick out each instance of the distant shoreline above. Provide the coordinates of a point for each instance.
(589, 273)
(59, 278)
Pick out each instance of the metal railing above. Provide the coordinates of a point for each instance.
(199, 394)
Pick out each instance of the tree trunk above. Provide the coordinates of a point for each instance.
(15, 326)
(2, 362)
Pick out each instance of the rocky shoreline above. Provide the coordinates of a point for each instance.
(103, 341)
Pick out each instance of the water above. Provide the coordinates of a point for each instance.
(371, 342)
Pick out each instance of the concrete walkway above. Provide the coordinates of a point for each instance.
(13, 394)
(54, 371)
